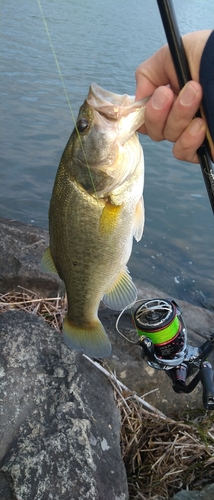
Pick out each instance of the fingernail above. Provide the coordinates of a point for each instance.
(188, 95)
(159, 98)
(196, 126)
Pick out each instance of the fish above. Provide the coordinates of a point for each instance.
(96, 209)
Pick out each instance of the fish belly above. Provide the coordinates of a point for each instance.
(88, 254)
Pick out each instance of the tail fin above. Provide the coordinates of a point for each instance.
(92, 339)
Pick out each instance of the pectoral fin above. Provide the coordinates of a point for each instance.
(92, 339)
(47, 262)
(139, 220)
(109, 217)
(122, 293)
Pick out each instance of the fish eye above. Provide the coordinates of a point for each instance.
(82, 124)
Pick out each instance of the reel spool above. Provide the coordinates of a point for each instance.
(160, 321)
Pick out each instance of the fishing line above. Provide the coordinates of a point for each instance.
(56, 61)
(119, 317)
(66, 93)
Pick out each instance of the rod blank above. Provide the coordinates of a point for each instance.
(183, 73)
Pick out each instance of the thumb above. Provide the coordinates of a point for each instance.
(156, 71)
(144, 86)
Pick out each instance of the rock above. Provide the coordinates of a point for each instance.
(5, 489)
(21, 250)
(60, 428)
(206, 494)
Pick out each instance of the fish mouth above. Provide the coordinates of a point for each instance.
(119, 108)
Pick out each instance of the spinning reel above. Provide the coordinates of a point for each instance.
(163, 338)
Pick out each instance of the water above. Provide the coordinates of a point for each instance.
(102, 41)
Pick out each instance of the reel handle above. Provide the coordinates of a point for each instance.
(206, 376)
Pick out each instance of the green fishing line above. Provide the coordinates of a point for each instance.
(65, 91)
(161, 336)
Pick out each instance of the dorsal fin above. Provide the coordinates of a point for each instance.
(47, 262)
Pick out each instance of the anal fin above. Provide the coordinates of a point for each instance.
(122, 293)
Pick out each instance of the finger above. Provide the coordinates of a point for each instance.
(190, 140)
(156, 113)
(156, 71)
(159, 68)
(183, 110)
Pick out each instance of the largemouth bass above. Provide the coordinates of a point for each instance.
(95, 210)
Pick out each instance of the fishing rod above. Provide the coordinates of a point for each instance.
(158, 322)
(183, 74)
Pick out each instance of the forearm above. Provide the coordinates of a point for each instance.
(206, 78)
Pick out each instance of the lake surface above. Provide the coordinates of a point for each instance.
(102, 41)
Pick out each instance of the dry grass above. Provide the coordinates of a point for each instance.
(51, 309)
(161, 455)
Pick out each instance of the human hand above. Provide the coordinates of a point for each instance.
(170, 112)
